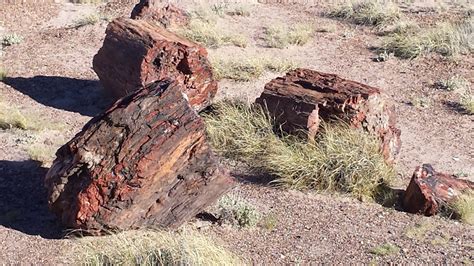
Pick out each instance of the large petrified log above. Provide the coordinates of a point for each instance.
(144, 162)
(429, 190)
(168, 15)
(301, 98)
(136, 53)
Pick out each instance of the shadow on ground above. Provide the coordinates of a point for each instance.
(23, 200)
(75, 95)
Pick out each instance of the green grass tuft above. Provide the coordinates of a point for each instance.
(342, 159)
(447, 39)
(142, 247)
(372, 13)
(463, 208)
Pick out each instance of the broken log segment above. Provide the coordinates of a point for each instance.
(144, 162)
(299, 100)
(136, 53)
(167, 16)
(429, 190)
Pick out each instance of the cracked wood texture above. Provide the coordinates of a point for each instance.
(429, 190)
(136, 53)
(145, 162)
(299, 100)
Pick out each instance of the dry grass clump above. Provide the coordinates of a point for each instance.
(3, 73)
(467, 102)
(248, 68)
(237, 211)
(385, 250)
(43, 153)
(463, 208)
(454, 83)
(342, 159)
(11, 39)
(147, 247)
(10, 117)
(206, 32)
(91, 19)
(373, 13)
(281, 36)
(446, 39)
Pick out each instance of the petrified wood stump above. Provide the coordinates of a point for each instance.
(429, 190)
(303, 97)
(136, 53)
(144, 162)
(168, 15)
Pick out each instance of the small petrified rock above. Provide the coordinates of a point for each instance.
(136, 53)
(303, 97)
(144, 162)
(168, 15)
(429, 190)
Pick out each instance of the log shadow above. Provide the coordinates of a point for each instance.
(23, 200)
(75, 95)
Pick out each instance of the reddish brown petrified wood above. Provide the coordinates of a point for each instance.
(429, 190)
(144, 162)
(136, 53)
(303, 97)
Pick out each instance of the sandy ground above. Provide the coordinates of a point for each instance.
(50, 77)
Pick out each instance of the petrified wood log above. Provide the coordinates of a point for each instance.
(300, 99)
(144, 162)
(168, 15)
(429, 190)
(136, 53)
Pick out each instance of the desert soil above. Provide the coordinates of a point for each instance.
(50, 78)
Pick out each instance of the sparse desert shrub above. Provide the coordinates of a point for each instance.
(248, 68)
(373, 13)
(280, 36)
(342, 159)
(11, 39)
(454, 83)
(208, 34)
(141, 247)
(446, 39)
(385, 250)
(238, 211)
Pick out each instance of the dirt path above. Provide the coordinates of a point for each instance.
(50, 76)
